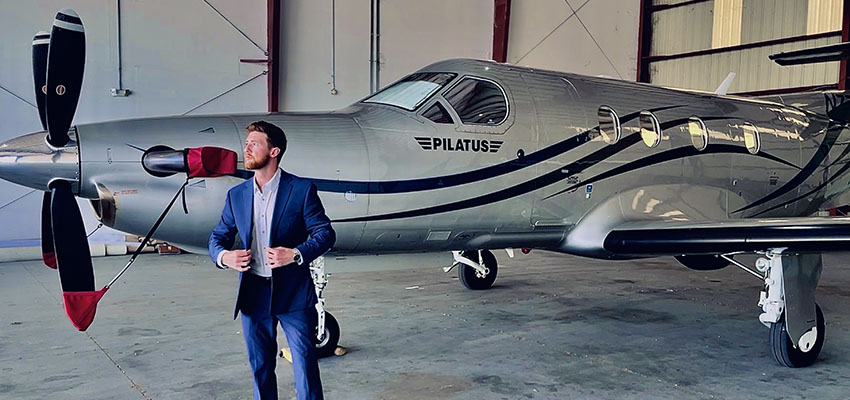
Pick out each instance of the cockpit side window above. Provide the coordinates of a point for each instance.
(478, 102)
(411, 91)
(438, 114)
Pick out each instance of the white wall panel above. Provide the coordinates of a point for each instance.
(531, 23)
(306, 54)
(417, 33)
(413, 34)
(602, 40)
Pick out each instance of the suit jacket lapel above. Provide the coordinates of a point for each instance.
(284, 189)
(246, 210)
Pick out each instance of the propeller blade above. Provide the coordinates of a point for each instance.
(40, 44)
(65, 63)
(69, 239)
(47, 253)
(73, 258)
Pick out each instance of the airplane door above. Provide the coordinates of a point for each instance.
(559, 115)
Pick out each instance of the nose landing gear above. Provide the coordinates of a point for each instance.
(327, 328)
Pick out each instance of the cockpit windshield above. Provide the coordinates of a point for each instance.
(410, 92)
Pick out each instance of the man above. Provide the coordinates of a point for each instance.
(283, 227)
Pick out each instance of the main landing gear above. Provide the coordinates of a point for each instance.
(796, 322)
(476, 269)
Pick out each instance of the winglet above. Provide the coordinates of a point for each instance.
(724, 86)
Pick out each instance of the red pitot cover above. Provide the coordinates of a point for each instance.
(81, 306)
(210, 162)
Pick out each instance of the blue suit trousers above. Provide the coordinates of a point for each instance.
(260, 330)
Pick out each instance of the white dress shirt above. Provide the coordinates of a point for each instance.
(264, 202)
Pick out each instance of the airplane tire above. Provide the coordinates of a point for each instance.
(708, 262)
(467, 276)
(327, 346)
(783, 349)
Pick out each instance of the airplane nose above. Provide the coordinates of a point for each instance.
(28, 160)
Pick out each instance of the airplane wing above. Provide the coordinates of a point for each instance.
(658, 238)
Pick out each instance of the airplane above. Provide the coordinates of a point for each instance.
(469, 156)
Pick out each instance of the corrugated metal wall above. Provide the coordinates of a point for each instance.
(773, 19)
(718, 24)
(726, 29)
(682, 29)
(754, 71)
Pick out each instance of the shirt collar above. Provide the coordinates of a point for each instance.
(271, 185)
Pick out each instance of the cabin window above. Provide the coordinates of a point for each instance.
(411, 91)
(698, 133)
(609, 124)
(478, 102)
(650, 129)
(751, 137)
(438, 114)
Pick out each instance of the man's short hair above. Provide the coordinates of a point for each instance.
(274, 135)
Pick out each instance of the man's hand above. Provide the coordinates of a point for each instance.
(279, 256)
(237, 259)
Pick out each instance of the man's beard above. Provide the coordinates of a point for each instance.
(256, 163)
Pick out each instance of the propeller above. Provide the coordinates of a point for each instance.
(66, 58)
(40, 45)
(58, 61)
(48, 254)
(72, 246)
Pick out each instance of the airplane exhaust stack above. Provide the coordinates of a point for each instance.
(196, 162)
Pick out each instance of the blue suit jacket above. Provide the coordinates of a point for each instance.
(299, 222)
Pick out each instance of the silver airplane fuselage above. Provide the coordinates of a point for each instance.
(393, 180)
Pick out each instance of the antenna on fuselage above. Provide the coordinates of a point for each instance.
(724, 86)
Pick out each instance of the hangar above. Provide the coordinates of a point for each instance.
(614, 131)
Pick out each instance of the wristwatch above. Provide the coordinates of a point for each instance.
(297, 257)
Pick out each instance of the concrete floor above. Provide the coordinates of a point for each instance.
(553, 327)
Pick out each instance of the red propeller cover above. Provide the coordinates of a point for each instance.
(81, 306)
(49, 259)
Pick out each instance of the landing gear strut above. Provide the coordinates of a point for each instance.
(796, 322)
(327, 328)
(476, 269)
